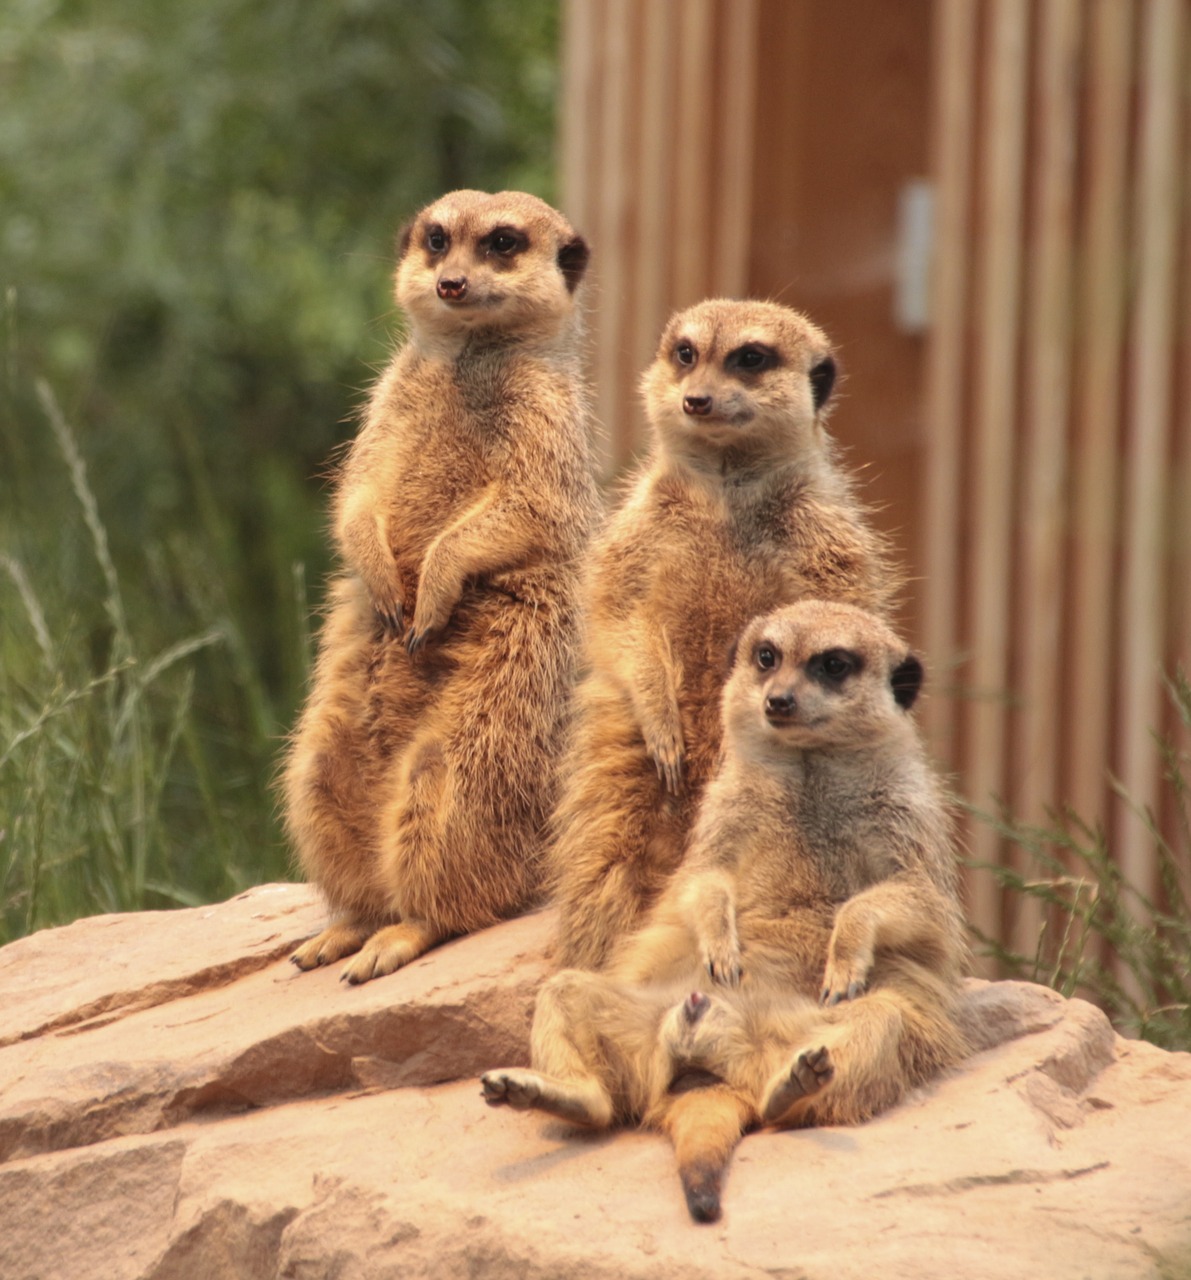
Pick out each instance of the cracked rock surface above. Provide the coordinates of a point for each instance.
(177, 1102)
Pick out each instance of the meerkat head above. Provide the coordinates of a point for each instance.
(818, 675)
(753, 378)
(504, 264)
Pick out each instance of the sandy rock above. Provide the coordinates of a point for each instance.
(164, 1118)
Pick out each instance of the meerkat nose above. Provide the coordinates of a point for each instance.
(697, 406)
(780, 706)
(452, 290)
(695, 1006)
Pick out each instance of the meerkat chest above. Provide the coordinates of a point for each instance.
(449, 447)
(708, 575)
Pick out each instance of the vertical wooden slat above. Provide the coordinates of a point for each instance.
(651, 271)
(995, 415)
(954, 61)
(1101, 310)
(734, 176)
(579, 108)
(1143, 592)
(614, 264)
(692, 129)
(1038, 610)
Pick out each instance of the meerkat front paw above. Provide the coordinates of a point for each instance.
(846, 978)
(723, 962)
(390, 609)
(809, 1073)
(431, 613)
(667, 750)
(511, 1087)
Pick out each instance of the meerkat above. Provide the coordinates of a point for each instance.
(819, 895)
(418, 782)
(742, 506)
(824, 842)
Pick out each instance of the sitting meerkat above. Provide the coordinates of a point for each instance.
(742, 506)
(418, 782)
(820, 896)
(824, 841)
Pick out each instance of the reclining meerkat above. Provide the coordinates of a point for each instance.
(819, 895)
(741, 507)
(419, 779)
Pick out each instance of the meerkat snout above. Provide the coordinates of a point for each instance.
(780, 707)
(454, 290)
(697, 406)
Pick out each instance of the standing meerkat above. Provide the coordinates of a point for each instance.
(418, 781)
(741, 506)
(819, 895)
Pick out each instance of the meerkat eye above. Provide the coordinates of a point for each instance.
(752, 358)
(436, 240)
(685, 354)
(766, 657)
(835, 665)
(504, 242)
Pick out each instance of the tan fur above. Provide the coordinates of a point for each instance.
(419, 779)
(820, 897)
(741, 507)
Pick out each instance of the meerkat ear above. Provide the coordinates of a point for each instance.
(822, 378)
(572, 261)
(906, 680)
(404, 236)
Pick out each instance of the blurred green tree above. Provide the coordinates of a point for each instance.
(198, 203)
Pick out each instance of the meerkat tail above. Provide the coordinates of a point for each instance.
(704, 1127)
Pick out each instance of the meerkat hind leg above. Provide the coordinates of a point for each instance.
(810, 1072)
(336, 941)
(582, 1102)
(388, 949)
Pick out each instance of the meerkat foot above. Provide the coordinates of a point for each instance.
(512, 1087)
(807, 1075)
(528, 1091)
(335, 942)
(388, 949)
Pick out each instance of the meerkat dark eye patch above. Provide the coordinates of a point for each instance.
(573, 258)
(437, 241)
(753, 357)
(505, 242)
(834, 666)
(822, 377)
(906, 680)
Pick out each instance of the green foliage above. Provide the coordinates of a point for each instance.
(1103, 938)
(198, 203)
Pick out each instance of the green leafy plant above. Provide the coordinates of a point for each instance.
(1102, 937)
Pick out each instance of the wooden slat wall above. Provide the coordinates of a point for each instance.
(1034, 449)
(655, 142)
(1061, 279)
